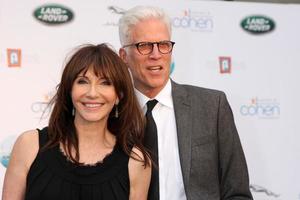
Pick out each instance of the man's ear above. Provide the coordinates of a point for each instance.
(123, 55)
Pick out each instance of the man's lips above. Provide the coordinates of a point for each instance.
(154, 68)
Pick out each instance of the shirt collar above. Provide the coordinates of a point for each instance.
(164, 97)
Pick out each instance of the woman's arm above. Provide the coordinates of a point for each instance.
(24, 152)
(139, 176)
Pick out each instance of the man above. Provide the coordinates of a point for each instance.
(199, 152)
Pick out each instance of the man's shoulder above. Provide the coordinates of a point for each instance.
(196, 90)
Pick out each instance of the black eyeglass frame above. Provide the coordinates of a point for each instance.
(137, 45)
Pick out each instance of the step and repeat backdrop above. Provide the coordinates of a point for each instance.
(249, 50)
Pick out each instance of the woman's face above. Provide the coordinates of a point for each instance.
(93, 97)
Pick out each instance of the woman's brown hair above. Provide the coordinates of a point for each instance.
(128, 127)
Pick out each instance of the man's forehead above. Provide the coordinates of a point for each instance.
(150, 29)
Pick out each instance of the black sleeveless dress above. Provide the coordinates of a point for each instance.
(53, 177)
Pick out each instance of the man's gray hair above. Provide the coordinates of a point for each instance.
(139, 13)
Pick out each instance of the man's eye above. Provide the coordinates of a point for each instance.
(165, 44)
(145, 45)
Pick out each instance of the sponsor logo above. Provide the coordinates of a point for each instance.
(53, 14)
(225, 65)
(115, 11)
(262, 190)
(194, 20)
(172, 67)
(14, 57)
(42, 108)
(262, 108)
(5, 149)
(258, 24)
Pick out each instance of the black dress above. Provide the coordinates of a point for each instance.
(53, 177)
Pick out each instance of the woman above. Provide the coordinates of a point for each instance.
(92, 147)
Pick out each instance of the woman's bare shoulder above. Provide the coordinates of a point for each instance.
(139, 175)
(28, 136)
(137, 153)
(27, 146)
(23, 154)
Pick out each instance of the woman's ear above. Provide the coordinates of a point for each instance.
(119, 98)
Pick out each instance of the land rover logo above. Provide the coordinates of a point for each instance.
(258, 24)
(53, 14)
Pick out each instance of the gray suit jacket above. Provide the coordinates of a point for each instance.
(212, 159)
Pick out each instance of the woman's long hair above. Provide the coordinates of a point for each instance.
(128, 127)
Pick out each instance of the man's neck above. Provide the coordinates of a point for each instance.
(151, 92)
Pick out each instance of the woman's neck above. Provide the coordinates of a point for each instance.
(94, 134)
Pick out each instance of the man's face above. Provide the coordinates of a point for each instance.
(150, 72)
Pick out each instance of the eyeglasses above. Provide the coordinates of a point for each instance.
(146, 48)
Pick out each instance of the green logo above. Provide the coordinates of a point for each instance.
(53, 14)
(258, 24)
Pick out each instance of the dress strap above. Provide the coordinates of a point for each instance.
(43, 136)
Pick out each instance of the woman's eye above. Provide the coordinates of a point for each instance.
(106, 82)
(81, 81)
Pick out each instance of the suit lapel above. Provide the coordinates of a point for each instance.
(182, 107)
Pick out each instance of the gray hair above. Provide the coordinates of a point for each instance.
(139, 13)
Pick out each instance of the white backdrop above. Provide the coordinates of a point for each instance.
(261, 85)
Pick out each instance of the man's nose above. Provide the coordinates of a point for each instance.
(155, 54)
